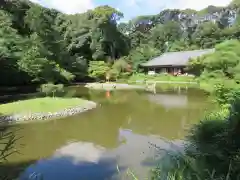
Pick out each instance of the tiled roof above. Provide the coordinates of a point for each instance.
(176, 58)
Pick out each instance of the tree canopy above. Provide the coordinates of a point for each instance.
(40, 45)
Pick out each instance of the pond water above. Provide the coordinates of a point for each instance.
(106, 142)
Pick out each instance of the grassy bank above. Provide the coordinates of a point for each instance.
(161, 77)
(209, 84)
(169, 81)
(46, 104)
(163, 81)
(213, 145)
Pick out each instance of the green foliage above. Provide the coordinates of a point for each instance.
(212, 148)
(235, 2)
(223, 93)
(196, 66)
(47, 46)
(120, 69)
(114, 74)
(44, 45)
(7, 142)
(98, 69)
(206, 35)
(222, 65)
(140, 55)
(51, 89)
(210, 9)
(121, 65)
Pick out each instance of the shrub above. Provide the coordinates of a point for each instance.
(51, 89)
(98, 69)
(216, 140)
(213, 149)
(114, 74)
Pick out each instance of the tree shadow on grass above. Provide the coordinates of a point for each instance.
(11, 98)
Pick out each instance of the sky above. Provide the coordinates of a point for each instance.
(130, 8)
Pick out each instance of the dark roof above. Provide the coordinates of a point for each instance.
(176, 58)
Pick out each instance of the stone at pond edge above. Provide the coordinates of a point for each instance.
(50, 115)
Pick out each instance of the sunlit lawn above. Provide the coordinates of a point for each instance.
(46, 104)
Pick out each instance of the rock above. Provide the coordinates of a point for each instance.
(49, 115)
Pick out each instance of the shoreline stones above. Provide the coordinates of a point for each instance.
(112, 86)
(17, 118)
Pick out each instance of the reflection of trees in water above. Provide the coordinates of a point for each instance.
(169, 101)
(132, 110)
(113, 97)
(172, 100)
(140, 152)
(151, 118)
(99, 126)
(75, 91)
(173, 88)
(169, 124)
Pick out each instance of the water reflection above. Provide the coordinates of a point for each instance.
(85, 160)
(116, 133)
(139, 150)
(78, 160)
(80, 151)
(169, 100)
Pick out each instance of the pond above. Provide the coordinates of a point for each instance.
(106, 142)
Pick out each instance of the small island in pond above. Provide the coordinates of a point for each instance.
(43, 109)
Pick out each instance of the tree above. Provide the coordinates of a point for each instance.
(141, 55)
(223, 63)
(41, 45)
(11, 48)
(35, 63)
(98, 69)
(51, 89)
(168, 32)
(207, 35)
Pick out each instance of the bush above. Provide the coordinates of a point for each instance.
(226, 92)
(98, 70)
(51, 89)
(213, 150)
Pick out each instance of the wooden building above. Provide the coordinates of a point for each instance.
(172, 62)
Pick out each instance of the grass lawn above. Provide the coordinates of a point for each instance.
(175, 85)
(46, 104)
(161, 77)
